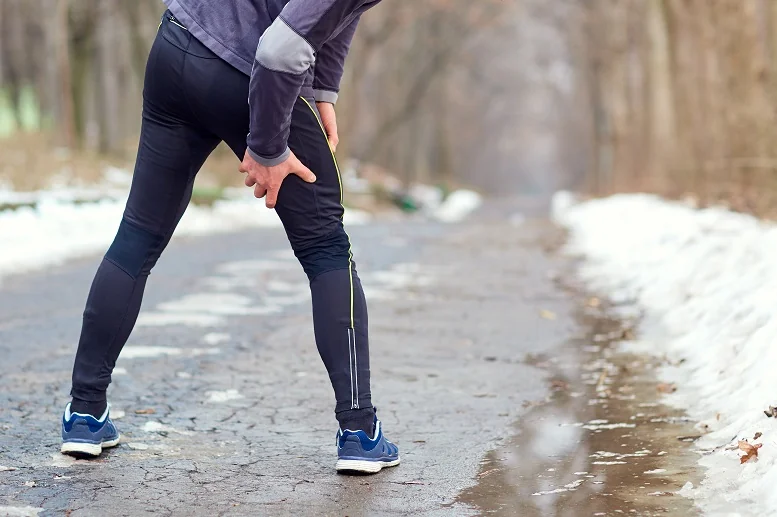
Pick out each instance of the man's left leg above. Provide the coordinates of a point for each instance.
(312, 215)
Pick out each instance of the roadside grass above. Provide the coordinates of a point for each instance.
(29, 162)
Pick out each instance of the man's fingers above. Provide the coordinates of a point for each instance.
(272, 197)
(250, 181)
(331, 134)
(259, 191)
(303, 172)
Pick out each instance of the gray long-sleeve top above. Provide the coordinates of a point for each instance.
(288, 47)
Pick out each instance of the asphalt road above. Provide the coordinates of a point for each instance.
(224, 406)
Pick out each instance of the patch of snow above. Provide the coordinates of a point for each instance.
(706, 282)
(136, 352)
(457, 206)
(59, 225)
(214, 338)
(161, 319)
(19, 511)
(153, 426)
(223, 396)
(620, 425)
(548, 492)
(60, 460)
(574, 484)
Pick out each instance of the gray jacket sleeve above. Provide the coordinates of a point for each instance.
(285, 53)
(330, 62)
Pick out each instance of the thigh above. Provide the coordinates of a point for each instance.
(309, 212)
(173, 144)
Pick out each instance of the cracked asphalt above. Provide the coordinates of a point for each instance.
(221, 398)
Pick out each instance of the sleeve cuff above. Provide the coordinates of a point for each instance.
(270, 162)
(325, 96)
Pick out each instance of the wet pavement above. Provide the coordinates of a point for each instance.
(601, 444)
(492, 376)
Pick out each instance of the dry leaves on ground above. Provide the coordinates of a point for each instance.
(757, 435)
(558, 384)
(666, 388)
(548, 315)
(750, 450)
(148, 411)
(771, 412)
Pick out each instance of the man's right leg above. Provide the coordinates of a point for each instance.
(172, 149)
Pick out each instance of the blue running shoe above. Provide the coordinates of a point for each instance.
(85, 435)
(357, 452)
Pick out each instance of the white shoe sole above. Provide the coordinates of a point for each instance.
(88, 449)
(367, 467)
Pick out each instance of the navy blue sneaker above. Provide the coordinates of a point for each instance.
(85, 435)
(357, 452)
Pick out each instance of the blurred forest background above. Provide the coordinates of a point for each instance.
(511, 96)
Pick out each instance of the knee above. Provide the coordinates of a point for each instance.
(134, 250)
(326, 254)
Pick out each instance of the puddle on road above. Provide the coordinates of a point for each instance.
(602, 444)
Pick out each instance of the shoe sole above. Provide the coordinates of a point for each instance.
(88, 449)
(365, 467)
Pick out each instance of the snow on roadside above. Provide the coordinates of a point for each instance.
(457, 206)
(707, 281)
(60, 226)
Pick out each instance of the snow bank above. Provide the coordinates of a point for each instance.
(707, 281)
(60, 226)
(457, 206)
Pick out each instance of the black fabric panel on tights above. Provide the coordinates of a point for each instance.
(131, 248)
(327, 254)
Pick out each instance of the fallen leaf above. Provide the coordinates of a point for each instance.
(148, 411)
(548, 315)
(559, 384)
(594, 302)
(419, 441)
(757, 435)
(750, 450)
(628, 335)
(666, 388)
(772, 411)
